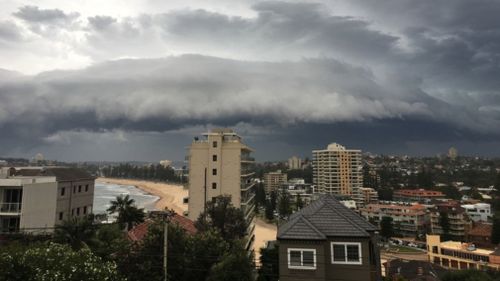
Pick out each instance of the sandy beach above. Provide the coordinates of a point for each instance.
(171, 196)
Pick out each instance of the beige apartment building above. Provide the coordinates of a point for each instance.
(294, 163)
(220, 164)
(274, 180)
(337, 170)
(459, 221)
(34, 199)
(368, 195)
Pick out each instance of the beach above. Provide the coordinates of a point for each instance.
(171, 196)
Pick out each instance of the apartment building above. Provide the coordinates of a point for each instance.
(294, 163)
(337, 170)
(273, 180)
(459, 221)
(220, 164)
(417, 195)
(478, 212)
(458, 255)
(409, 220)
(34, 199)
(368, 195)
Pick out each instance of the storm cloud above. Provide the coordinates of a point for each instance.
(394, 75)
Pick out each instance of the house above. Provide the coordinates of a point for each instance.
(138, 233)
(328, 241)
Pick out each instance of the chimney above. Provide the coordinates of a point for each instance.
(420, 271)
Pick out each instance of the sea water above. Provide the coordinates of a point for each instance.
(104, 193)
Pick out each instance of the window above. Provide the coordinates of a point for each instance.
(214, 144)
(346, 253)
(301, 258)
(214, 157)
(214, 185)
(214, 172)
(78, 211)
(84, 210)
(86, 188)
(79, 188)
(61, 216)
(63, 190)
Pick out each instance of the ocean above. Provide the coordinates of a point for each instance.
(104, 193)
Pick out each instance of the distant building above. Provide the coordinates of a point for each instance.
(480, 235)
(220, 164)
(297, 187)
(368, 195)
(36, 199)
(3, 163)
(327, 241)
(294, 163)
(417, 195)
(409, 220)
(165, 163)
(458, 255)
(273, 180)
(458, 219)
(452, 153)
(337, 170)
(478, 212)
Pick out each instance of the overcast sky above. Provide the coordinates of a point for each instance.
(137, 79)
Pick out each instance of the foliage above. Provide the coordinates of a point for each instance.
(299, 203)
(260, 197)
(146, 172)
(222, 216)
(54, 262)
(78, 232)
(284, 205)
(273, 198)
(269, 264)
(269, 211)
(495, 230)
(306, 174)
(386, 227)
(466, 275)
(385, 194)
(128, 213)
(235, 265)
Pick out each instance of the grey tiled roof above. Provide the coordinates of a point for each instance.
(324, 218)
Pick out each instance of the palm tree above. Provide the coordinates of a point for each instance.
(78, 232)
(128, 213)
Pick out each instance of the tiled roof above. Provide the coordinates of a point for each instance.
(481, 229)
(323, 218)
(139, 231)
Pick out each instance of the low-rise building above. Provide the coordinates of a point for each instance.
(327, 241)
(409, 220)
(458, 220)
(480, 235)
(274, 180)
(417, 195)
(367, 196)
(478, 212)
(297, 187)
(458, 255)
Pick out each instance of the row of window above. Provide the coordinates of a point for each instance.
(341, 253)
(77, 212)
(80, 188)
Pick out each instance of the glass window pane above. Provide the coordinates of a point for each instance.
(353, 253)
(295, 258)
(338, 253)
(308, 258)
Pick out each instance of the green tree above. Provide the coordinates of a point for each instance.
(54, 262)
(495, 230)
(260, 197)
(78, 232)
(273, 198)
(299, 203)
(224, 217)
(466, 275)
(269, 264)
(128, 213)
(386, 227)
(235, 265)
(284, 205)
(444, 222)
(269, 211)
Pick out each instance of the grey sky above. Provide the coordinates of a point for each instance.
(136, 80)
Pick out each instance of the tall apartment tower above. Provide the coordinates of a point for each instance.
(220, 164)
(337, 170)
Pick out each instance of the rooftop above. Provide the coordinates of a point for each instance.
(481, 229)
(459, 246)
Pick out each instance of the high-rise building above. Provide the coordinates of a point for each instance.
(274, 180)
(294, 163)
(220, 164)
(452, 153)
(337, 170)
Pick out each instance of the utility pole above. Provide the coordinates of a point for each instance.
(165, 248)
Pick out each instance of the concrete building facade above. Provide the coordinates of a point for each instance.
(294, 163)
(417, 195)
(337, 170)
(274, 180)
(478, 212)
(220, 165)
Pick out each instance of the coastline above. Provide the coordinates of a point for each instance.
(171, 196)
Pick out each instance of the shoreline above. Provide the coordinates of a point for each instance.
(171, 196)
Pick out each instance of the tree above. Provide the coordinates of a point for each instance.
(495, 230)
(54, 262)
(260, 197)
(466, 275)
(273, 197)
(269, 211)
(269, 264)
(128, 213)
(78, 232)
(284, 205)
(444, 222)
(235, 265)
(224, 217)
(298, 202)
(386, 227)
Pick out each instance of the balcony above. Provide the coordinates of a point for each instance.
(10, 208)
(247, 158)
